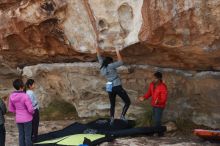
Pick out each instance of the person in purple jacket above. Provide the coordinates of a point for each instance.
(20, 104)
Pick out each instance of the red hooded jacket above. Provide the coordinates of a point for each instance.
(158, 94)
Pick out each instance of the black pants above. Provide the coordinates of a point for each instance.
(2, 135)
(35, 125)
(118, 90)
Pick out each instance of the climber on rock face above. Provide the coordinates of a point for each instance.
(113, 86)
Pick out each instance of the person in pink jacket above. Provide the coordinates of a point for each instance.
(20, 104)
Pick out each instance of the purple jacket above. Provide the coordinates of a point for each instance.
(20, 104)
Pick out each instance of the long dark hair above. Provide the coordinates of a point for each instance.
(29, 83)
(106, 62)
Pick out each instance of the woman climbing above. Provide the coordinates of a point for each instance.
(109, 70)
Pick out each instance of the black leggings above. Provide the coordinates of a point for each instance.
(118, 90)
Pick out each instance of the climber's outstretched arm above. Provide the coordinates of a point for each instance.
(118, 54)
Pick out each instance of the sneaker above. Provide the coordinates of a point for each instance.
(112, 121)
(124, 119)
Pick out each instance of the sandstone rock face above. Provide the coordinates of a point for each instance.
(192, 96)
(7, 74)
(57, 31)
(183, 34)
(118, 22)
(38, 31)
(79, 84)
(179, 34)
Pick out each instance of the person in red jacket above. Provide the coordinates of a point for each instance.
(158, 93)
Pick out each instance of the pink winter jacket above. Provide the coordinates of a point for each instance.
(20, 104)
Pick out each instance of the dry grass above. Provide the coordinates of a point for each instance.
(58, 110)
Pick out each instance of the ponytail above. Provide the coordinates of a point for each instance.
(29, 83)
(106, 62)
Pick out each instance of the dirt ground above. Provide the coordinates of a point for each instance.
(167, 140)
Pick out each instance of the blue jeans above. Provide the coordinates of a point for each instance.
(157, 116)
(25, 130)
(2, 135)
